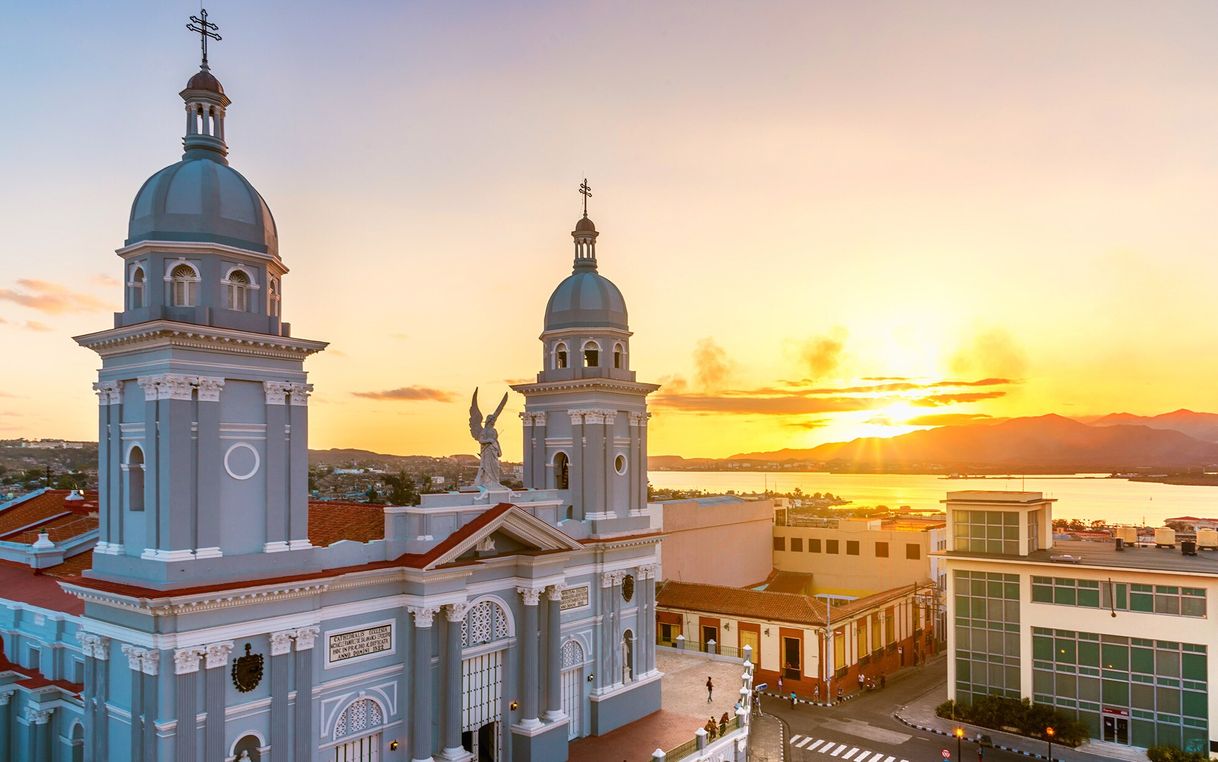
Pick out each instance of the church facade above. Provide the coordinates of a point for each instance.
(217, 623)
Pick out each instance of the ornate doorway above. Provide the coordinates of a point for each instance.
(573, 687)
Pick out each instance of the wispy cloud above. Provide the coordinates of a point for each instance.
(51, 298)
(34, 325)
(736, 403)
(408, 394)
(936, 400)
(100, 279)
(713, 366)
(951, 419)
(808, 423)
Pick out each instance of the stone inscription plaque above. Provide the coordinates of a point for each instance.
(574, 598)
(351, 645)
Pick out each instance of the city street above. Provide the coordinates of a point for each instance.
(864, 730)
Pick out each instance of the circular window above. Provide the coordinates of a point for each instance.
(241, 461)
(619, 464)
(627, 587)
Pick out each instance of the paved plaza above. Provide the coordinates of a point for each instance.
(684, 710)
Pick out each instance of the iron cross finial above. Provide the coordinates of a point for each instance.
(205, 29)
(586, 191)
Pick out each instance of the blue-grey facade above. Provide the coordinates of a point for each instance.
(487, 624)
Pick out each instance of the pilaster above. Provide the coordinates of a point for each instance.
(554, 711)
(281, 657)
(304, 639)
(276, 465)
(298, 466)
(421, 683)
(450, 661)
(214, 686)
(186, 670)
(529, 638)
(528, 449)
(576, 465)
(207, 527)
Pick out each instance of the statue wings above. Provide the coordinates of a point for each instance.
(475, 415)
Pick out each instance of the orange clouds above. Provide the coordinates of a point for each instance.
(408, 394)
(51, 298)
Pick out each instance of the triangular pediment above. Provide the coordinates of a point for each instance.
(511, 531)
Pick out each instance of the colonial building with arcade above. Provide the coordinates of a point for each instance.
(200, 608)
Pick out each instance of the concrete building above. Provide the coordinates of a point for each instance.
(220, 616)
(722, 540)
(852, 557)
(1120, 638)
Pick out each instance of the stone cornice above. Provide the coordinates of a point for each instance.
(185, 248)
(169, 333)
(586, 384)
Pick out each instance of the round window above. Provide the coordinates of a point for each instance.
(619, 464)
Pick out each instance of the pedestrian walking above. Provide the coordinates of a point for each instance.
(883, 681)
(816, 694)
(792, 699)
(862, 680)
(710, 689)
(839, 694)
(780, 685)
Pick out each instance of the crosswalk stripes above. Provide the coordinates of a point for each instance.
(841, 751)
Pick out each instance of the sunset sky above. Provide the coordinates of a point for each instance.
(829, 220)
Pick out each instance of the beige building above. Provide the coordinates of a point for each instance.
(723, 540)
(855, 557)
(814, 650)
(1119, 637)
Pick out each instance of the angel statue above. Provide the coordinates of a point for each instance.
(489, 472)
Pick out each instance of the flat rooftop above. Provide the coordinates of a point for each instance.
(1105, 554)
(994, 496)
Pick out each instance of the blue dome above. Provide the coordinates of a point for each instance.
(586, 299)
(201, 199)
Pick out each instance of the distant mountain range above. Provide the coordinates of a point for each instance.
(1119, 442)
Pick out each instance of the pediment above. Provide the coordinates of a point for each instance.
(511, 531)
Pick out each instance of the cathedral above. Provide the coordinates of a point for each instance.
(200, 608)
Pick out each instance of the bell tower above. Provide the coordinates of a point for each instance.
(585, 418)
(203, 398)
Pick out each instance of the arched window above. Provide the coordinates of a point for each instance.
(562, 471)
(236, 291)
(273, 297)
(592, 355)
(560, 356)
(485, 623)
(627, 656)
(135, 479)
(619, 356)
(137, 288)
(247, 749)
(77, 739)
(572, 654)
(184, 286)
(363, 715)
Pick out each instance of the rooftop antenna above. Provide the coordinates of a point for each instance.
(205, 29)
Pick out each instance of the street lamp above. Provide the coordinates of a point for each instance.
(959, 733)
(1049, 733)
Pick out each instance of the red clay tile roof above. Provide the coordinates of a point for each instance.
(757, 604)
(71, 567)
(42, 508)
(332, 522)
(21, 583)
(411, 560)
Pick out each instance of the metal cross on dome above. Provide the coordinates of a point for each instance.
(586, 191)
(205, 29)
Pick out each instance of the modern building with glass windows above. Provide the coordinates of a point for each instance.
(1121, 637)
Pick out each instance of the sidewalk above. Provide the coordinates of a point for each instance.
(920, 714)
(853, 691)
(767, 739)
